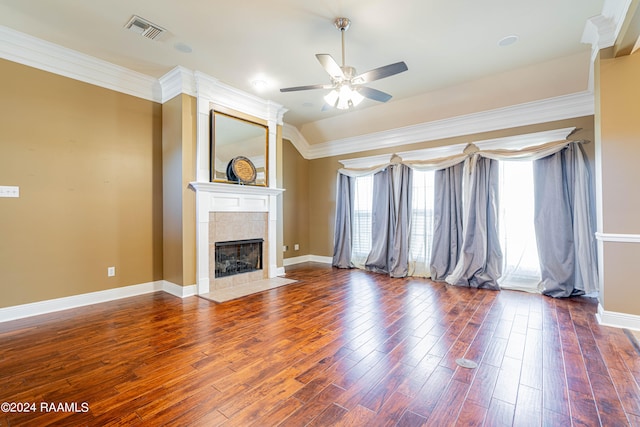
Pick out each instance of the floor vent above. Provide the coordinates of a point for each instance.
(145, 28)
(466, 363)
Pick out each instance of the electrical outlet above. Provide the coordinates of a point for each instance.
(111, 271)
(296, 247)
(9, 191)
(285, 248)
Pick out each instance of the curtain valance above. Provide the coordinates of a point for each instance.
(525, 154)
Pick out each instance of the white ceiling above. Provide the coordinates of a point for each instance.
(445, 43)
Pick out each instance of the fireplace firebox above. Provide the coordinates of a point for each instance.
(238, 256)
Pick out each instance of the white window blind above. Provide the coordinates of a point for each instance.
(362, 220)
(421, 234)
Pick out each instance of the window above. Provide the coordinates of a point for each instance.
(421, 231)
(363, 202)
(421, 228)
(521, 267)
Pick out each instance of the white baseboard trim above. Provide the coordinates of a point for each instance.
(307, 258)
(296, 260)
(617, 320)
(58, 304)
(321, 259)
(179, 291)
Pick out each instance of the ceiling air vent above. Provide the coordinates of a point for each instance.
(144, 28)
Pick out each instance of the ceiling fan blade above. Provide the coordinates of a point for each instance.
(331, 66)
(375, 94)
(296, 88)
(380, 73)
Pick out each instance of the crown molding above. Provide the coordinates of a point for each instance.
(209, 88)
(177, 81)
(298, 140)
(558, 108)
(27, 50)
(601, 31)
(43, 55)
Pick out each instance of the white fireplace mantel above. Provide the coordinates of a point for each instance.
(221, 197)
(219, 187)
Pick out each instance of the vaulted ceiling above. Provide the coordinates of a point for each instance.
(455, 62)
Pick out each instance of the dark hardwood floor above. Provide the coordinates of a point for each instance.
(338, 348)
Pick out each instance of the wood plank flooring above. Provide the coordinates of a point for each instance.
(337, 348)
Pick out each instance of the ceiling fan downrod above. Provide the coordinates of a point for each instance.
(343, 25)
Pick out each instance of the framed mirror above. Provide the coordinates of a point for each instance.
(239, 148)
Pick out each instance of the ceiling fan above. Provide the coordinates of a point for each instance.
(348, 88)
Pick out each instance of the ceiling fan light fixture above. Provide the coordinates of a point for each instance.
(344, 103)
(343, 98)
(331, 98)
(356, 98)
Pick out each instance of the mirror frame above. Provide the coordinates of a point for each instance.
(214, 138)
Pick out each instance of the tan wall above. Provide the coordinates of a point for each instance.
(88, 162)
(620, 133)
(178, 158)
(322, 174)
(619, 147)
(295, 201)
(621, 292)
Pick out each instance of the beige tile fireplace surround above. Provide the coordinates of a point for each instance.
(226, 226)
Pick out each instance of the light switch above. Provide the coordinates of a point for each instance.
(9, 191)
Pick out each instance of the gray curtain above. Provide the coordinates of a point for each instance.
(342, 242)
(447, 221)
(391, 215)
(381, 218)
(480, 262)
(564, 223)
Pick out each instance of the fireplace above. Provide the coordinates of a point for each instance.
(228, 212)
(237, 257)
